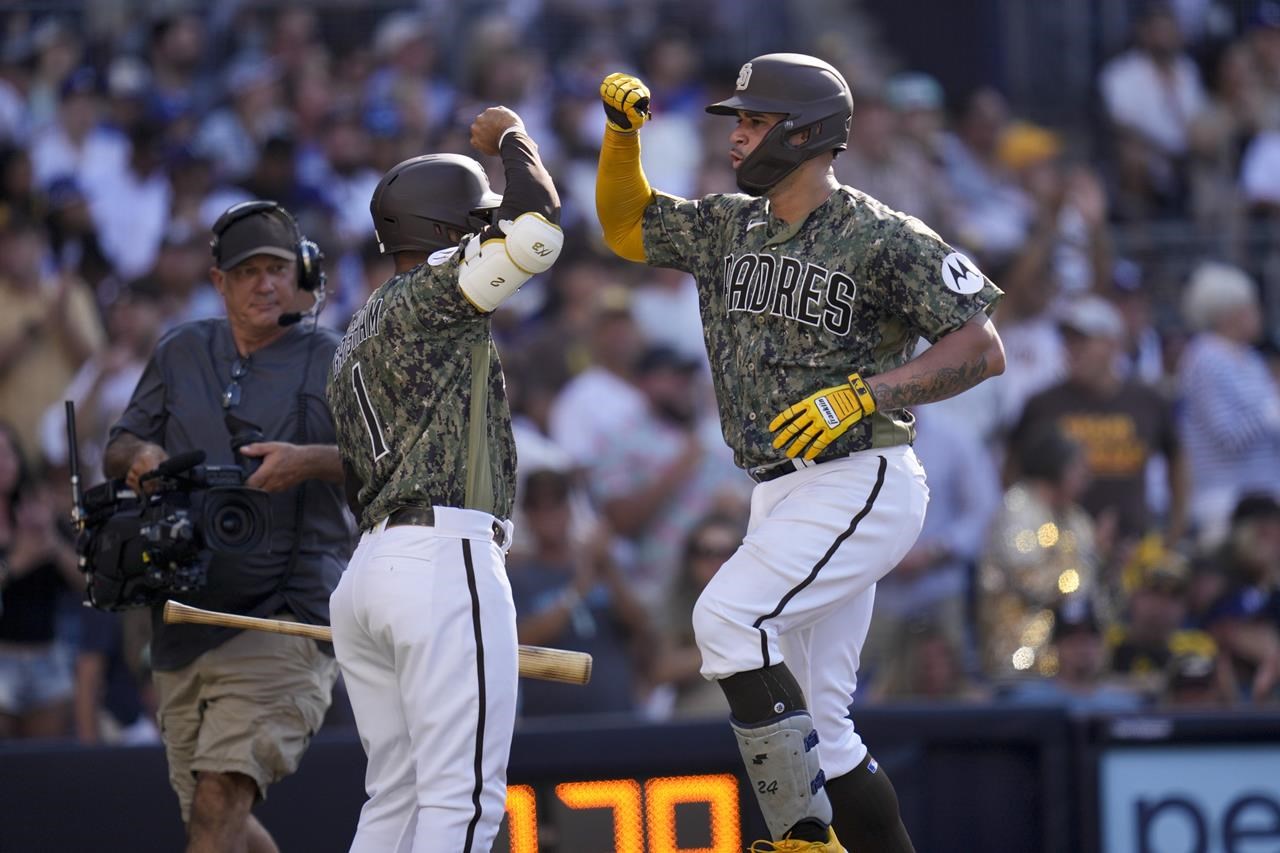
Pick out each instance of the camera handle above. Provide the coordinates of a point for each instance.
(175, 465)
(243, 433)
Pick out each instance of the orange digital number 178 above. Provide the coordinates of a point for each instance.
(633, 814)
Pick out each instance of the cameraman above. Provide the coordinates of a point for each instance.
(236, 709)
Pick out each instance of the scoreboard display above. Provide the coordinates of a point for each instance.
(659, 814)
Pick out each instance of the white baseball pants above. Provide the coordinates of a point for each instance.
(801, 587)
(425, 632)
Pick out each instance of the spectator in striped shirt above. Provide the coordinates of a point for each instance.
(1230, 418)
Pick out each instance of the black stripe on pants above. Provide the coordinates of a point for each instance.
(475, 623)
(826, 558)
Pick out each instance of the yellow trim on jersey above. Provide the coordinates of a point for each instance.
(470, 300)
(622, 194)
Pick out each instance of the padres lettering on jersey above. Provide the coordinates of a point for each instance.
(786, 287)
(400, 392)
(788, 309)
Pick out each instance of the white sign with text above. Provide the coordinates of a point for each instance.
(1190, 799)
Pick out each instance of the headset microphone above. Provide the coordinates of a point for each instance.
(321, 295)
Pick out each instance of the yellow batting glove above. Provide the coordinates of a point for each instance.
(821, 418)
(626, 101)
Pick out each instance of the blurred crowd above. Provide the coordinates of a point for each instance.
(1104, 530)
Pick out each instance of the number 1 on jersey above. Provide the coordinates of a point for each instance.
(370, 416)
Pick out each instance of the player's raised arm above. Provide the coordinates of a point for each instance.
(499, 131)
(525, 237)
(622, 191)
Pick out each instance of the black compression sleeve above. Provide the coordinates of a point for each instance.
(762, 694)
(529, 187)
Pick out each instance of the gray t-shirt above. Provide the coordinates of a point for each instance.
(177, 405)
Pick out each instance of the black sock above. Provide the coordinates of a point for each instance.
(865, 811)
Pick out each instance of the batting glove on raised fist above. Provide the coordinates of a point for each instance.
(821, 418)
(626, 101)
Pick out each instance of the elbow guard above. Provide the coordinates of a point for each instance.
(492, 271)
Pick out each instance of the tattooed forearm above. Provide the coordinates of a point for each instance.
(933, 386)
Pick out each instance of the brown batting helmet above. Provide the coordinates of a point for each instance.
(419, 202)
(810, 94)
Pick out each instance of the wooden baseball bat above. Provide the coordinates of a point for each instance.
(535, 661)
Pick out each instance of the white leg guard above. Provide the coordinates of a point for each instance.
(782, 763)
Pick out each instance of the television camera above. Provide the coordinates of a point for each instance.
(139, 549)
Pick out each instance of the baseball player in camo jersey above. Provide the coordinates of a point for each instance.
(423, 622)
(813, 296)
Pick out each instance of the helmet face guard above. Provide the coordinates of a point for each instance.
(776, 157)
(810, 95)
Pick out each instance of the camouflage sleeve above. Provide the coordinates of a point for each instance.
(681, 233)
(928, 283)
(434, 295)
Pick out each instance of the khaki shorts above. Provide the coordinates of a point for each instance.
(249, 706)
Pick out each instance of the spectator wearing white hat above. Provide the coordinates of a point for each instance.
(1230, 413)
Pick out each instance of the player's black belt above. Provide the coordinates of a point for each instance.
(774, 470)
(425, 516)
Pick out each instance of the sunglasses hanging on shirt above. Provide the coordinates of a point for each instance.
(231, 394)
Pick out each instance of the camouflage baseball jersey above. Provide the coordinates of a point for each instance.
(400, 392)
(790, 309)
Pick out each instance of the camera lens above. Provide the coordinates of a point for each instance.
(232, 523)
(236, 520)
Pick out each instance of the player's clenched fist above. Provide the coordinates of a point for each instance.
(822, 417)
(488, 127)
(626, 101)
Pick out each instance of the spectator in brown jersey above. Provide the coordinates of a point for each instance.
(1120, 424)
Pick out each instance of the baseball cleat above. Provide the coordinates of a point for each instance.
(791, 845)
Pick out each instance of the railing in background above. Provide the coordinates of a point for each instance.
(988, 778)
(1169, 251)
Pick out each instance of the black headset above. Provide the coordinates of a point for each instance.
(311, 275)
